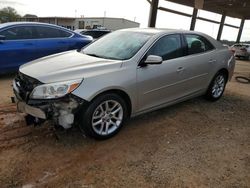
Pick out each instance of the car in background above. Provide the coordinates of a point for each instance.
(21, 42)
(226, 45)
(125, 73)
(241, 50)
(95, 33)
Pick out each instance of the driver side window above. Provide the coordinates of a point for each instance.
(18, 33)
(168, 47)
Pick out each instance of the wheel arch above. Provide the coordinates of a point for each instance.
(119, 92)
(224, 71)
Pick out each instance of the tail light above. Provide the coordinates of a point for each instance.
(232, 50)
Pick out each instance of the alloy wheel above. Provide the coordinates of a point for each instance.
(107, 117)
(218, 87)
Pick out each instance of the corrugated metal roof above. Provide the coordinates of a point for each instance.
(232, 8)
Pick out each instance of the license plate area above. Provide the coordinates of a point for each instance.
(36, 112)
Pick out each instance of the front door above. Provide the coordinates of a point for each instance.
(17, 48)
(158, 84)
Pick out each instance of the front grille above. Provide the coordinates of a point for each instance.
(25, 85)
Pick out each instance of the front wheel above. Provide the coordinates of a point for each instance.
(216, 87)
(104, 117)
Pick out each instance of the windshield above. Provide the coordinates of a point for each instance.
(120, 45)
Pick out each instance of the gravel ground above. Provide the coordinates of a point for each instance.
(192, 144)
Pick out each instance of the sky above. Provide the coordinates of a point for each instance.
(137, 10)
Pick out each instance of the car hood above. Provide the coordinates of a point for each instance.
(68, 66)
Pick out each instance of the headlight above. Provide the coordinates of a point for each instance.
(54, 90)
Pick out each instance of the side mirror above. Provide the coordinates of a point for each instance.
(153, 60)
(2, 38)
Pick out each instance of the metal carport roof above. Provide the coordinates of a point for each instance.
(233, 8)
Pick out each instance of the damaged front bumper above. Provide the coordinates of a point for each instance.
(61, 110)
(35, 112)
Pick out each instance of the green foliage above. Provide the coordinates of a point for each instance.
(8, 14)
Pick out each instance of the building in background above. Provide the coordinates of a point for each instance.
(86, 22)
(67, 22)
(108, 23)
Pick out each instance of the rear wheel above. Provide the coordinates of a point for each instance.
(217, 87)
(104, 117)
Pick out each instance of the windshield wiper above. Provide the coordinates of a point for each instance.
(94, 55)
(104, 57)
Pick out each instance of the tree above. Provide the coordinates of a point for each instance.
(8, 14)
(30, 16)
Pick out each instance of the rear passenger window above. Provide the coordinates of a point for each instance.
(18, 33)
(197, 44)
(49, 32)
(168, 47)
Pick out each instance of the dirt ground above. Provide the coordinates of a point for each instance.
(192, 144)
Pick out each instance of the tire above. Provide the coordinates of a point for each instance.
(216, 87)
(101, 122)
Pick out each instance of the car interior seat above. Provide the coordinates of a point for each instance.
(196, 47)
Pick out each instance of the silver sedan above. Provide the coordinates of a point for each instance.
(123, 74)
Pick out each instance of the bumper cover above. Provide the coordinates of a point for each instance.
(62, 111)
(33, 111)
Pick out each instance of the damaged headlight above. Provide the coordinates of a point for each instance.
(54, 90)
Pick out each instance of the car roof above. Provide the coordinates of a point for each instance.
(155, 31)
(3, 25)
(158, 32)
(148, 30)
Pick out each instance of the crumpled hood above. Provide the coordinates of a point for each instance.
(68, 66)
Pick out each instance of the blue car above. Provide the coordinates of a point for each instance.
(21, 42)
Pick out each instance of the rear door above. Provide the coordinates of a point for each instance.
(18, 47)
(200, 60)
(51, 40)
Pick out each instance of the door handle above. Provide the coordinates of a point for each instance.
(180, 69)
(212, 61)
